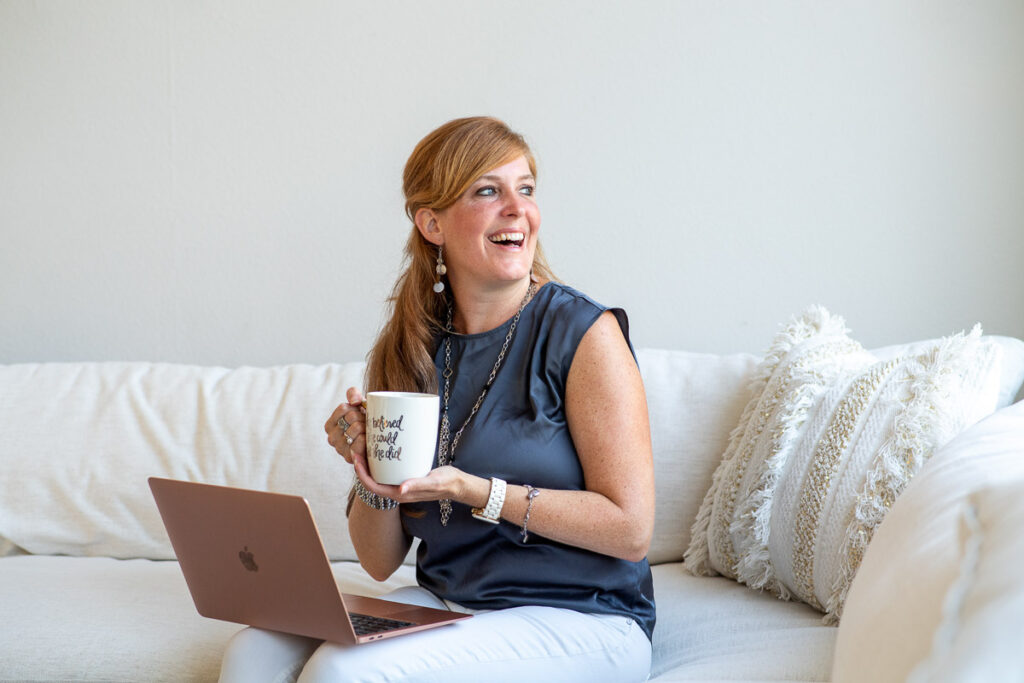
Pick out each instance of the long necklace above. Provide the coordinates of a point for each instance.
(446, 455)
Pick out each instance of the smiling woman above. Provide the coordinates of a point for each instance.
(532, 517)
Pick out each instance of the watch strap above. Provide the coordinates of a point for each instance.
(495, 501)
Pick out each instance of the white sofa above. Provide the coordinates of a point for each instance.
(89, 589)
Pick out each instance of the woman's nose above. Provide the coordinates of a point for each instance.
(516, 205)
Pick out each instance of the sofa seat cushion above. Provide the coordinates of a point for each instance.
(100, 619)
(714, 629)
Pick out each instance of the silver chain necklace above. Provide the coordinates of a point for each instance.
(446, 455)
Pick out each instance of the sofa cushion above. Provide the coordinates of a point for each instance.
(976, 639)
(715, 630)
(99, 619)
(85, 436)
(79, 440)
(895, 605)
(694, 400)
(829, 439)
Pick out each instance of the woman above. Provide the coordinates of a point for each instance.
(542, 402)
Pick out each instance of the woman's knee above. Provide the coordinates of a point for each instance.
(255, 654)
(333, 662)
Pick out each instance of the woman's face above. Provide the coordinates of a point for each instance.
(490, 232)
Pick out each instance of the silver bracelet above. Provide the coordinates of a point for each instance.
(374, 500)
(531, 493)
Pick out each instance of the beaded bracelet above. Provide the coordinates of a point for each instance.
(374, 500)
(531, 493)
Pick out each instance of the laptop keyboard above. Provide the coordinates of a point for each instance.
(364, 624)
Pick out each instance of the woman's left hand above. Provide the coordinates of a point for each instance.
(440, 483)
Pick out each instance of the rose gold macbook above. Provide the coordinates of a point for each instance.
(256, 558)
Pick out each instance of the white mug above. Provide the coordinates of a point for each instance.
(401, 434)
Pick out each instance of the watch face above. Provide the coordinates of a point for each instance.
(482, 516)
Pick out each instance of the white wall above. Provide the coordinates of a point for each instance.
(218, 183)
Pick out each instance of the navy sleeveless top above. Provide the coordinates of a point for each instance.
(521, 435)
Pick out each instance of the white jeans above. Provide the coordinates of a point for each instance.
(517, 644)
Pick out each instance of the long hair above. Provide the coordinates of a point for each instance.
(441, 167)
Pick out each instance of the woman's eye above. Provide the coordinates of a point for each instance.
(528, 190)
(486, 191)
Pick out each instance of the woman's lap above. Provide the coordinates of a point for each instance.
(522, 643)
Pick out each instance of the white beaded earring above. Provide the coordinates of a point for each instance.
(440, 270)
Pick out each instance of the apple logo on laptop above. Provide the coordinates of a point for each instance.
(247, 560)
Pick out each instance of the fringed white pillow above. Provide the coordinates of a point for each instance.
(829, 439)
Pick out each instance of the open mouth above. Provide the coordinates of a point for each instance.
(508, 239)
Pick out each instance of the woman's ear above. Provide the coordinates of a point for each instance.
(427, 224)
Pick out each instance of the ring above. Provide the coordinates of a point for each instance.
(343, 423)
(349, 439)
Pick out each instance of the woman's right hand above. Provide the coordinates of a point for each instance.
(350, 442)
(379, 539)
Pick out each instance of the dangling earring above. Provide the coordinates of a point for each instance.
(440, 270)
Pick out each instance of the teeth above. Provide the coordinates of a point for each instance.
(508, 237)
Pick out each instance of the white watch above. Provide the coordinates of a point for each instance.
(492, 511)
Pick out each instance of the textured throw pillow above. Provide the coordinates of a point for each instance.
(828, 440)
(1011, 376)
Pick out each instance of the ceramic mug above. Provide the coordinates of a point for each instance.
(401, 434)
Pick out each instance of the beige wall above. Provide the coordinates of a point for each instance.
(218, 183)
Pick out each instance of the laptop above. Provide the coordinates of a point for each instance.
(256, 558)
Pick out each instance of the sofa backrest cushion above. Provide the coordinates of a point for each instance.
(79, 440)
(694, 401)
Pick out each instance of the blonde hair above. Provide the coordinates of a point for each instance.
(441, 167)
